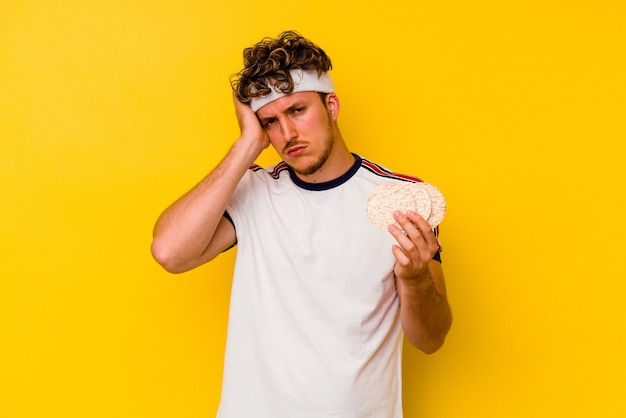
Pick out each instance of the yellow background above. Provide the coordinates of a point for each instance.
(109, 110)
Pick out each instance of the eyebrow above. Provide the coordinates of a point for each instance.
(289, 109)
(296, 105)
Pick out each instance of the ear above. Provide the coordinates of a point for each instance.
(332, 104)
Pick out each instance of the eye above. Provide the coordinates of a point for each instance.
(268, 123)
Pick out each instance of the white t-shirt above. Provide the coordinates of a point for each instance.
(314, 329)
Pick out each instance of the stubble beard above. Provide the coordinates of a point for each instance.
(319, 162)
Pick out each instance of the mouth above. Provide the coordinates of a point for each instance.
(295, 150)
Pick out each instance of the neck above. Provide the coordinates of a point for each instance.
(338, 162)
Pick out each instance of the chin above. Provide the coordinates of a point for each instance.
(308, 168)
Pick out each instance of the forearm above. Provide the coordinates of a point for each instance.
(184, 231)
(424, 309)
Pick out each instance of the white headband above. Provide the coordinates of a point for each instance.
(303, 80)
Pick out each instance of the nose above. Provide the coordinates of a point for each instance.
(288, 129)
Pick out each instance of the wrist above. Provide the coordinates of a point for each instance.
(419, 282)
(248, 148)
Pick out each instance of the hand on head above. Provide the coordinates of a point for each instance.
(249, 125)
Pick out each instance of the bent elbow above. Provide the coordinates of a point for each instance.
(430, 342)
(428, 345)
(432, 347)
(166, 257)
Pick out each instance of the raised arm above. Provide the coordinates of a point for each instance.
(192, 230)
(424, 309)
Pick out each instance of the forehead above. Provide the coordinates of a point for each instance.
(286, 102)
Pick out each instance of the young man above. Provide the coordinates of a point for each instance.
(321, 298)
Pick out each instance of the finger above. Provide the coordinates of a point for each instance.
(407, 245)
(243, 110)
(429, 239)
(426, 231)
(401, 258)
(416, 242)
(410, 228)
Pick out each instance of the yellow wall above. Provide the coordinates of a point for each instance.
(111, 109)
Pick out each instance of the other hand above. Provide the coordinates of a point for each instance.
(416, 246)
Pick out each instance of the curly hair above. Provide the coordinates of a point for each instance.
(271, 59)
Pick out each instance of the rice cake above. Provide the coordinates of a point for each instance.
(422, 198)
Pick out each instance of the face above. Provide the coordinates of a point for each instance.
(300, 128)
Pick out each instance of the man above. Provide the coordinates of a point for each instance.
(320, 297)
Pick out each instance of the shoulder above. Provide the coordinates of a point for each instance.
(269, 172)
(257, 176)
(384, 174)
